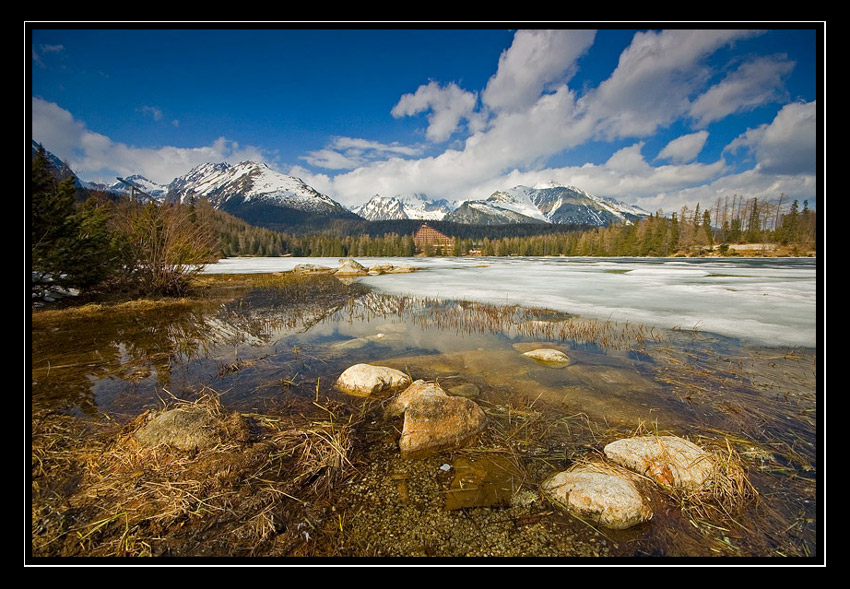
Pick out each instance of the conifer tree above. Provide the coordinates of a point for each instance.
(70, 245)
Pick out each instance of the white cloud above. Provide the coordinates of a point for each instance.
(653, 82)
(534, 114)
(787, 145)
(685, 148)
(153, 111)
(535, 60)
(93, 155)
(348, 153)
(448, 106)
(753, 84)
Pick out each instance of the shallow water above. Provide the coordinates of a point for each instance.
(766, 301)
(261, 353)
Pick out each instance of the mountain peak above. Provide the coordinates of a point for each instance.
(405, 206)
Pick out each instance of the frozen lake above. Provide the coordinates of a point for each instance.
(765, 301)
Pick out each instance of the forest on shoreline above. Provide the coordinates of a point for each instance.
(776, 226)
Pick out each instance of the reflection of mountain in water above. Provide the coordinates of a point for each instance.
(81, 362)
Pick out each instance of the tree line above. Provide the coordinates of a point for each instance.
(727, 222)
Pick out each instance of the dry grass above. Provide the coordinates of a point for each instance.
(115, 496)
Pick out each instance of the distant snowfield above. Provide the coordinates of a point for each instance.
(765, 301)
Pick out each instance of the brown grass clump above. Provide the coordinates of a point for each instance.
(121, 494)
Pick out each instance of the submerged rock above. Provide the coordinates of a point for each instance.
(435, 421)
(366, 379)
(548, 356)
(467, 389)
(601, 498)
(185, 428)
(668, 460)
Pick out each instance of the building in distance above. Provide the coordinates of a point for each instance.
(430, 241)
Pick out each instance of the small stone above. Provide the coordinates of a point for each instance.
(312, 269)
(433, 420)
(602, 498)
(348, 267)
(438, 422)
(417, 390)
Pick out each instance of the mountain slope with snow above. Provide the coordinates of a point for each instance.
(549, 204)
(409, 206)
(257, 194)
(246, 183)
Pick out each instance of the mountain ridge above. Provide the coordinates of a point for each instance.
(255, 193)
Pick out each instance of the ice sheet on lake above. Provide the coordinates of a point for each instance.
(762, 300)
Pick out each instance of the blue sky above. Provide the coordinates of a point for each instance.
(659, 118)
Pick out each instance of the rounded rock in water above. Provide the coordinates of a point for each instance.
(366, 379)
(602, 498)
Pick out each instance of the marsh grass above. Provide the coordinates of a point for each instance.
(127, 498)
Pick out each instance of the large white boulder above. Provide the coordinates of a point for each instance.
(364, 380)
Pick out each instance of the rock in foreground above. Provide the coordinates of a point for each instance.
(668, 460)
(192, 427)
(363, 380)
(435, 421)
(601, 498)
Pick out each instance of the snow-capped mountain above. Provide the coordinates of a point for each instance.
(245, 183)
(547, 204)
(255, 193)
(407, 206)
(153, 189)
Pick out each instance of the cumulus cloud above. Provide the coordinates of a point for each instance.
(684, 148)
(535, 60)
(787, 145)
(447, 107)
(653, 82)
(532, 113)
(92, 154)
(753, 84)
